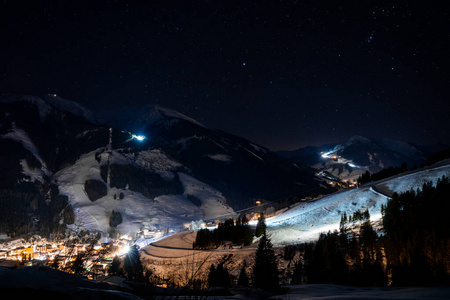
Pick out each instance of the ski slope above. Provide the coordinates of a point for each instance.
(307, 220)
(138, 212)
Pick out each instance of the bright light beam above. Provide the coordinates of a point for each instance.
(140, 138)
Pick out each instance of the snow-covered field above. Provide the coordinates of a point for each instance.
(307, 220)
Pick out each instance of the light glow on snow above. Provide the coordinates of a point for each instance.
(329, 154)
(140, 138)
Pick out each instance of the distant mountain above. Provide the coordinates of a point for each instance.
(156, 168)
(309, 155)
(351, 158)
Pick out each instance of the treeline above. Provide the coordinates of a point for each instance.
(265, 273)
(139, 180)
(238, 233)
(417, 239)
(342, 258)
(356, 217)
(24, 209)
(412, 251)
(385, 173)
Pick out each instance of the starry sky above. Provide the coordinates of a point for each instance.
(284, 74)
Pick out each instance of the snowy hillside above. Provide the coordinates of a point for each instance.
(138, 212)
(307, 220)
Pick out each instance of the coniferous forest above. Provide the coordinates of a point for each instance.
(238, 232)
(412, 250)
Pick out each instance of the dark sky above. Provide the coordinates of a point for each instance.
(284, 74)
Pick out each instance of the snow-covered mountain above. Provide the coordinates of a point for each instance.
(358, 154)
(158, 169)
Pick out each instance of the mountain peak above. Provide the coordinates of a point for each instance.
(140, 118)
(171, 114)
(358, 139)
(49, 103)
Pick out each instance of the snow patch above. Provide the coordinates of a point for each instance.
(258, 148)
(220, 157)
(214, 204)
(22, 137)
(157, 162)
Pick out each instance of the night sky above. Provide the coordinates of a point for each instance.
(284, 74)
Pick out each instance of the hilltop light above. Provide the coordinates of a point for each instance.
(140, 138)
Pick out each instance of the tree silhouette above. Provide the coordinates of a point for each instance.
(243, 279)
(114, 269)
(219, 277)
(297, 274)
(260, 226)
(265, 270)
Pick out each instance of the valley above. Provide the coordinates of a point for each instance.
(90, 193)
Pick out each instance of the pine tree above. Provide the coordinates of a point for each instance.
(114, 269)
(212, 276)
(265, 270)
(243, 279)
(260, 226)
(343, 222)
(218, 277)
(244, 220)
(239, 221)
(297, 274)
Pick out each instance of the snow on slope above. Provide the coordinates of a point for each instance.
(162, 212)
(307, 220)
(214, 204)
(220, 157)
(416, 180)
(156, 161)
(22, 137)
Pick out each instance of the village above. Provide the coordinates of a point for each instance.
(96, 255)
